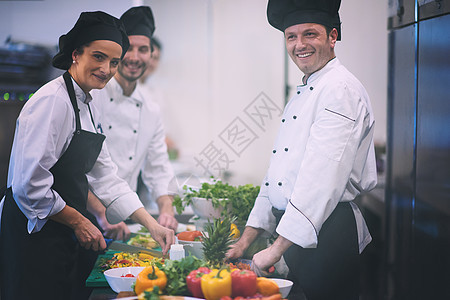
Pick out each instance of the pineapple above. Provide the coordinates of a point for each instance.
(217, 241)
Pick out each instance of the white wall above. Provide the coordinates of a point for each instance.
(364, 51)
(218, 56)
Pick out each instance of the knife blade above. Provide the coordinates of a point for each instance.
(118, 246)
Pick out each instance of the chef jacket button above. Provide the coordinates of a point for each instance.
(110, 127)
(111, 99)
(280, 184)
(274, 151)
(286, 149)
(311, 88)
(137, 104)
(294, 117)
(135, 131)
(298, 92)
(283, 120)
(267, 184)
(130, 158)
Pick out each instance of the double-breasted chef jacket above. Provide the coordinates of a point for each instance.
(135, 137)
(323, 155)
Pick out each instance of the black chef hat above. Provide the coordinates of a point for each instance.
(139, 21)
(282, 14)
(90, 26)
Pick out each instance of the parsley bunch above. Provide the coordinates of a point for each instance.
(236, 201)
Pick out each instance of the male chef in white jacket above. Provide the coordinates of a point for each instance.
(133, 126)
(322, 159)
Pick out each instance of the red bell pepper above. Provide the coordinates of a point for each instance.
(243, 283)
(194, 279)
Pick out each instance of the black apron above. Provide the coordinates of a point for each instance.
(330, 271)
(51, 264)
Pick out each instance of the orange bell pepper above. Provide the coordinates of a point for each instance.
(266, 286)
(149, 278)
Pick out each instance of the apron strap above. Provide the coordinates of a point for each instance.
(73, 99)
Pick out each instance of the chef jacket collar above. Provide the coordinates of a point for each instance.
(80, 94)
(311, 79)
(118, 90)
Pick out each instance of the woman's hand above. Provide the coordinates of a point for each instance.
(89, 236)
(86, 233)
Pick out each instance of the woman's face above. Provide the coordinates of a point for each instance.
(96, 64)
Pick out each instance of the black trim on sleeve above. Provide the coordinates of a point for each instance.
(315, 229)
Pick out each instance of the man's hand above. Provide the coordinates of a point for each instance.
(237, 249)
(266, 258)
(118, 232)
(168, 221)
(164, 236)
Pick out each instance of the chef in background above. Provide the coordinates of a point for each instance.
(322, 159)
(133, 126)
(48, 244)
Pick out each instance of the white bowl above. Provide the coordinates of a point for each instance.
(284, 285)
(194, 248)
(119, 283)
(204, 209)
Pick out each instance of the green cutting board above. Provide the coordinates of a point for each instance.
(96, 278)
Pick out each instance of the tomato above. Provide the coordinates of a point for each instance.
(189, 235)
(128, 275)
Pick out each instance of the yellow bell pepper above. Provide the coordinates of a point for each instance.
(149, 278)
(216, 284)
(235, 233)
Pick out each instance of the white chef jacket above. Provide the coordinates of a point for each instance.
(135, 137)
(43, 132)
(323, 154)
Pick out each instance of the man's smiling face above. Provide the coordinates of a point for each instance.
(309, 46)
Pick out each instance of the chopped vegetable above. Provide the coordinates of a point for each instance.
(144, 241)
(124, 259)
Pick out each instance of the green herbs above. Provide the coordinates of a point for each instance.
(236, 201)
(177, 271)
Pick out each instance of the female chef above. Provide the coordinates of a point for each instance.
(47, 242)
